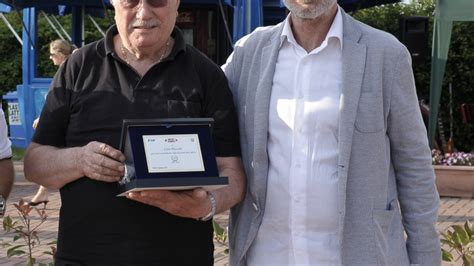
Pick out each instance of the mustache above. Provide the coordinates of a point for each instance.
(144, 23)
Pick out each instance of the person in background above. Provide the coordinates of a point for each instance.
(59, 51)
(142, 69)
(335, 150)
(7, 173)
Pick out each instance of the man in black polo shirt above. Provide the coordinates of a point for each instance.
(141, 69)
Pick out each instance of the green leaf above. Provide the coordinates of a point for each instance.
(463, 236)
(15, 251)
(16, 237)
(446, 255)
(450, 233)
(469, 228)
(447, 236)
(7, 221)
(457, 241)
(217, 228)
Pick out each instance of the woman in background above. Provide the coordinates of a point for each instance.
(59, 51)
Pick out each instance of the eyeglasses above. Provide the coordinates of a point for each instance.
(153, 3)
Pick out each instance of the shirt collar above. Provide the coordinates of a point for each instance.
(335, 31)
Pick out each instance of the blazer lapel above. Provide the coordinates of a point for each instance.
(261, 103)
(263, 92)
(353, 64)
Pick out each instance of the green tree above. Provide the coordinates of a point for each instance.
(459, 68)
(11, 51)
(10, 54)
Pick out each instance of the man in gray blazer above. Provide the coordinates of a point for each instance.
(334, 147)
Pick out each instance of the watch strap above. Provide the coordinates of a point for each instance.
(213, 207)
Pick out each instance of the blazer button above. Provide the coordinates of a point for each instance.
(252, 164)
(255, 206)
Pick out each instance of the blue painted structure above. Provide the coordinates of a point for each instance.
(30, 95)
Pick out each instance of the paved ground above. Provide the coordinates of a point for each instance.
(452, 211)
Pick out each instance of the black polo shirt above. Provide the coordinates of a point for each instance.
(93, 91)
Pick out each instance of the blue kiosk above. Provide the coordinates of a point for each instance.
(210, 25)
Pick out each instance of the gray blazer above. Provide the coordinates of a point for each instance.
(386, 181)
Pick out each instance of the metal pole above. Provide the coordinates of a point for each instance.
(248, 12)
(52, 25)
(83, 28)
(11, 28)
(96, 25)
(62, 28)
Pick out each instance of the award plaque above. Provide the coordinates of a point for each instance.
(171, 154)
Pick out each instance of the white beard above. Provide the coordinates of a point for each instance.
(318, 8)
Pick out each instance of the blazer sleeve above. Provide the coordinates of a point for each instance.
(411, 158)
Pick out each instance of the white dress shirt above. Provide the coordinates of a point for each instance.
(300, 222)
(5, 144)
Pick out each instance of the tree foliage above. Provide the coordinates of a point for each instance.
(459, 67)
(11, 50)
(10, 54)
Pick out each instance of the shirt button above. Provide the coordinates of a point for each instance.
(255, 206)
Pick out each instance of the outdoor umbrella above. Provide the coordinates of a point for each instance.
(20, 4)
(446, 12)
(351, 5)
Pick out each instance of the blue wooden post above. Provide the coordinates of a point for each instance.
(31, 93)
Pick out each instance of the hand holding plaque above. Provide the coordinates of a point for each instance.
(171, 154)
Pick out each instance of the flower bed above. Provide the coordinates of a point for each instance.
(454, 174)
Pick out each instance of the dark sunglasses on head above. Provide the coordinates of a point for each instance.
(153, 3)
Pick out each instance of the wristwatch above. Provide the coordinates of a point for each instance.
(213, 208)
(3, 205)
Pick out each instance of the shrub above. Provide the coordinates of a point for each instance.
(27, 230)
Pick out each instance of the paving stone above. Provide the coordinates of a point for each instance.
(452, 211)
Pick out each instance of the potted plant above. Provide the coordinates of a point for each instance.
(454, 173)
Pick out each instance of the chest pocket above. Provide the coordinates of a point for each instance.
(370, 115)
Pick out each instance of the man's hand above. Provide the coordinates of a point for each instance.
(101, 162)
(190, 203)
